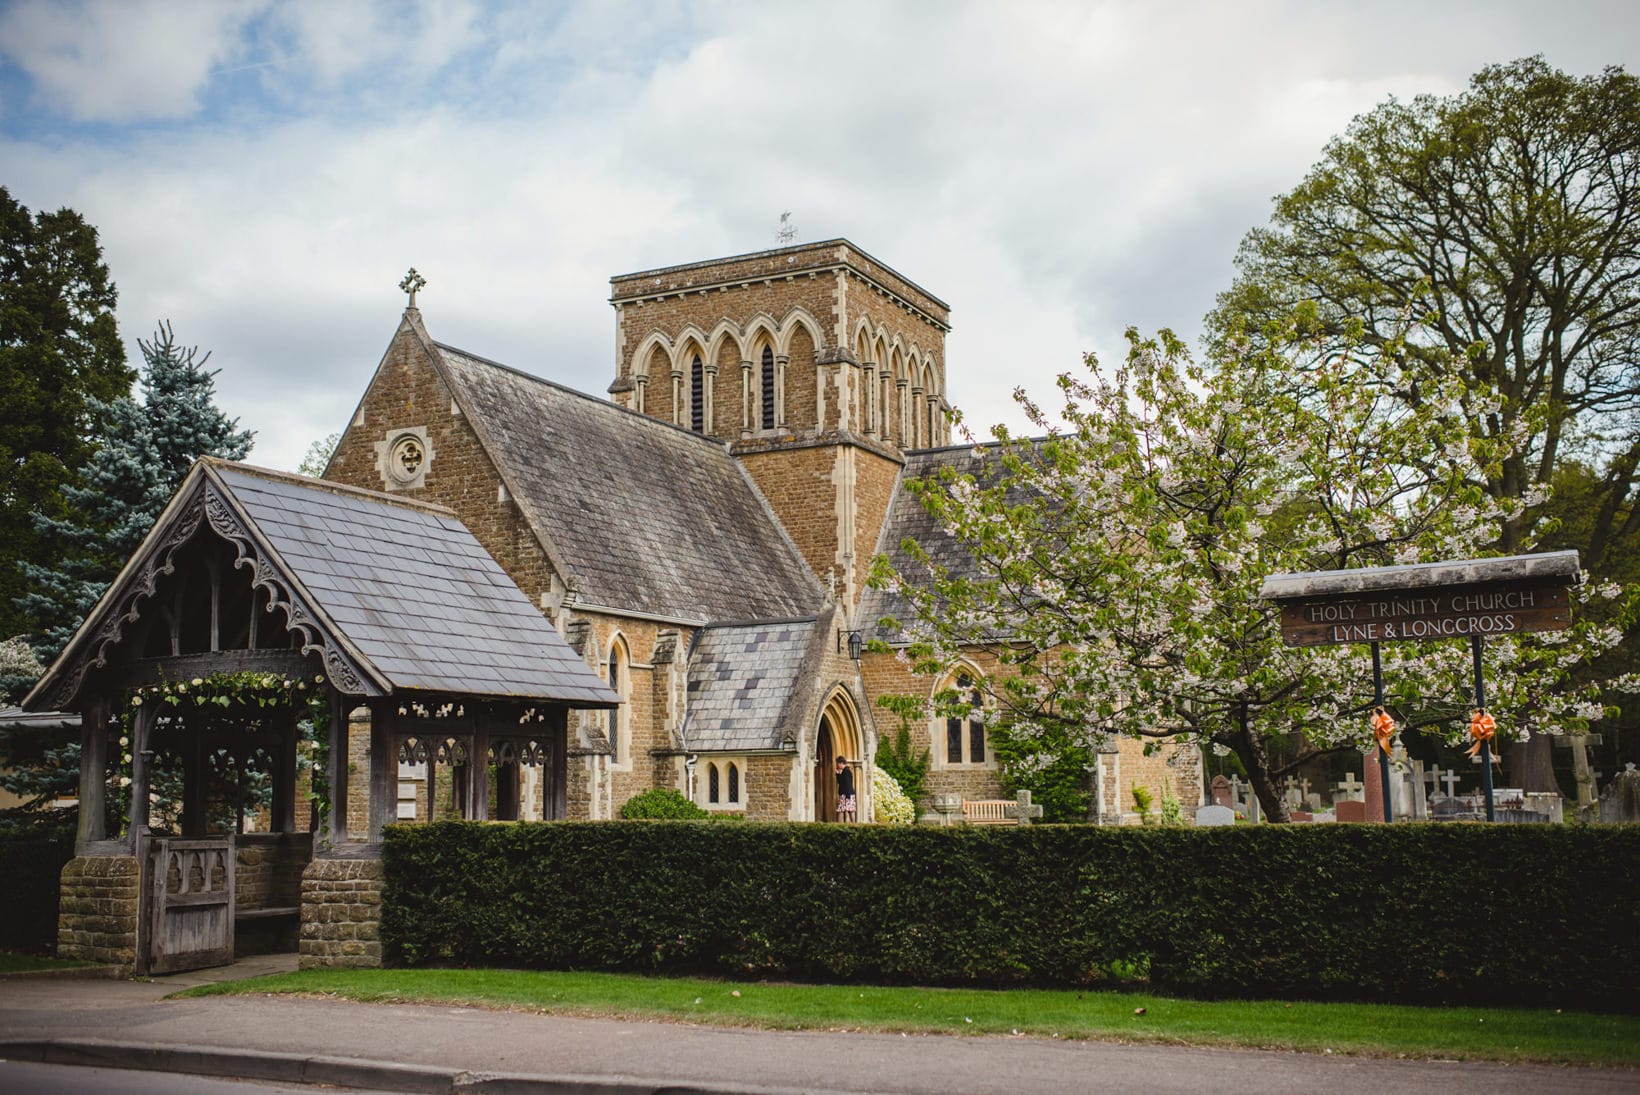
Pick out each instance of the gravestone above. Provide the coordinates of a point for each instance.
(1621, 800)
(1222, 795)
(1349, 809)
(1420, 799)
(1349, 787)
(1303, 816)
(1215, 815)
(1021, 809)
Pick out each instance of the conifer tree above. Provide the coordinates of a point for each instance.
(146, 454)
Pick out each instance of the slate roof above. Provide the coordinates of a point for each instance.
(907, 519)
(742, 678)
(643, 515)
(412, 590)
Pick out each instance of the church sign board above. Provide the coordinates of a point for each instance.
(1447, 600)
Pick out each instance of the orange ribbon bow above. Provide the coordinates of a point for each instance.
(1383, 728)
(1483, 728)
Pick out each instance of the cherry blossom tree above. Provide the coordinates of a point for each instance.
(1111, 566)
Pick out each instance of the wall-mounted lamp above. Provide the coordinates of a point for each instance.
(856, 641)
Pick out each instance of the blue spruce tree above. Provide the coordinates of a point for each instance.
(143, 459)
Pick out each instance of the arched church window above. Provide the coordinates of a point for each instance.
(697, 396)
(617, 684)
(970, 730)
(768, 388)
(712, 789)
(734, 783)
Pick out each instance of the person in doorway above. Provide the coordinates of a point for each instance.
(845, 790)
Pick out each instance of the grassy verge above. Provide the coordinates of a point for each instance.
(1372, 1029)
(28, 963)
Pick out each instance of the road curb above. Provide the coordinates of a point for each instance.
(289, 1068)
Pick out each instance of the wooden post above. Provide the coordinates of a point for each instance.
(142, 727)
(93, 773)
(478, 772)
(384, 772)
(555, 766)
(284, 779)
(336, 770)
(196, 778)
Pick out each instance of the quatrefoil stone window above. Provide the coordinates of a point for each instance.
(403, 458)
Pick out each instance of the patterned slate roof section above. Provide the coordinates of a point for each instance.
(414, 591)
(646, 516)
(742, 678)
(908, 520)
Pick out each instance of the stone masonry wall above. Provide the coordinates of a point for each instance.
(341, 914)
(97, 914)
(1173, 769)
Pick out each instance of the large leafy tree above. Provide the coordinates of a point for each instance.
(1506, 220)
(1112, 567)
(60, 361)
(149, 447)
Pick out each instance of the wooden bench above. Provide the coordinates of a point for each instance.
(987, 811)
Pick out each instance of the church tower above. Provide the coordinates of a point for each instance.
(819, 367)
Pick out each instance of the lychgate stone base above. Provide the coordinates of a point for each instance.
(97, 915)
(341, 914)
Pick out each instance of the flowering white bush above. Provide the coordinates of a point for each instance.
(890, 804)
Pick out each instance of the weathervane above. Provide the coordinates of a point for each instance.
(412, 283)
(788, 230)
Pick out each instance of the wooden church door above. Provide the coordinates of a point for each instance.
(825, 779)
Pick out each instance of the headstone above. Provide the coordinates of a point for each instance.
(1222, 795)
(1349, 809)
(1215, 815)
(1588, 791)
(1349, 787)
(1021, 809)
(1621, 800)
(1420, 794)
(1312, 801)
(1548, 803)
(1372, 795)
(1293, 793)
(1326, 817)
(1303, 816)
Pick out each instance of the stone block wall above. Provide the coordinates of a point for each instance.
(341, 914)
(97, 914)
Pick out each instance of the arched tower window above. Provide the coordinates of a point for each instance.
(768, 388)
(697, 396)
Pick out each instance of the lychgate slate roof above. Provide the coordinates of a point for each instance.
(413, 590)
(742, 680)
(645, 516)
(402, 588)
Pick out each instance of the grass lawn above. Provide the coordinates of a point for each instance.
(28, 963)
(1374, 1029)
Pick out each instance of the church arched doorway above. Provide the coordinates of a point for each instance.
(839, 735)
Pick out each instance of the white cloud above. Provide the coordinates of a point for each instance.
(1055, 172)
(117, 60)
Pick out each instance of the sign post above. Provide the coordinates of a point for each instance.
(1470, 598)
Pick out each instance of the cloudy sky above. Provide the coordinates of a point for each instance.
(262, 174)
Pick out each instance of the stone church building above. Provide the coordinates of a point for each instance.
(701, 537)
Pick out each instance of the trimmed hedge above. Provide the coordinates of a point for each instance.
(33, 851)
(1500, 915)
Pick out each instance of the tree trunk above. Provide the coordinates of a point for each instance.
(1250, 748)
(1530, 764)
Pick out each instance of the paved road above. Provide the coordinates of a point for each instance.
(610, 1056)
(19, 1078)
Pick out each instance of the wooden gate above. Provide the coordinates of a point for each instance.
(189, 896)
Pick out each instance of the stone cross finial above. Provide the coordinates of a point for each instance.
(412, 283)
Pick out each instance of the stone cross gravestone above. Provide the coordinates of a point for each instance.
(1350, 787)
(1022, 810)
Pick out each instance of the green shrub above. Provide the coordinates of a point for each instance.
(661, 802)
(34, 847)
(1529, 914)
